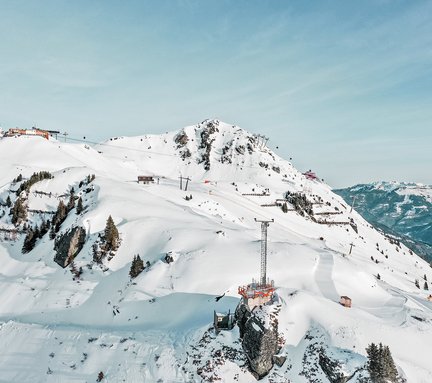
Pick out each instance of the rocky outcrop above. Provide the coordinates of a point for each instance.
(209, 128)
(68, 245)
(242, 314)
(259, 338)
(181, 139)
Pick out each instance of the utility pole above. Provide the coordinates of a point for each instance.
(181, 182)
(353, 202)
(264, 225)
(351, 246)
(65, 135)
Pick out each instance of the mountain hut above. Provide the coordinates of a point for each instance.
(145, 179)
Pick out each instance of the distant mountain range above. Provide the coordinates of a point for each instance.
(399, 209)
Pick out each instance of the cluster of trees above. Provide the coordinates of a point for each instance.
(17, 179)
(90, 178)
(33, 234)
(19, 211)
(63, 211)
(300, 203)
(110, 242)
(137, 266)
(79, 206)
(380, 365)
(59, 217)
(77, 272)
(19, 208)
(36, 177)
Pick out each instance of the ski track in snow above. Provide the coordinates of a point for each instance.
(323, 276)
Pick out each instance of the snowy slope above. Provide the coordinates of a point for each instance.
(155, 328)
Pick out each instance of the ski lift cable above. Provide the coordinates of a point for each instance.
(142, 151)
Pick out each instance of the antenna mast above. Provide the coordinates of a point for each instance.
(264, 225)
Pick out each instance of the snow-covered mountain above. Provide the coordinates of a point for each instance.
(60, 326)
(401, 209)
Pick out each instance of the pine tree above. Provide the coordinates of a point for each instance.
(380, 365)
(19, 211)
(111, 235)
(137, 266)
(37, 232)
(52, 233)
(59, 216)
(285, 207)
(8, 201)
(417, 283)
(100, 377)
(43, 229)
(425, 277)
(378, 276)
(97, 254)
(373, 361)
(79, 207)
(389, 368)
(425, 286)
(30, 240)
(71, 202)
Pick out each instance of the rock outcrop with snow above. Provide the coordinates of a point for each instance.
(68, 245)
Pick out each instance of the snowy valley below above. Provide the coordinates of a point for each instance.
(57, 325)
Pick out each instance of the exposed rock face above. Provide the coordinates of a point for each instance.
(209, 129)
(242, 314)
(181, 139)
(259, 338)
(68, 245)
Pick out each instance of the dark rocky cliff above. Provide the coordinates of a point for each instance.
(259, 333)
(68, 245)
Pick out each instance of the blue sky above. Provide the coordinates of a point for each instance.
(343, 87)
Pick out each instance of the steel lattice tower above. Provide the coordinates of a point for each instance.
(264, 226)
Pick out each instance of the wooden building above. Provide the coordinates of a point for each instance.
(27, 132)
(345, 301)
(146, 179)
(223, 321)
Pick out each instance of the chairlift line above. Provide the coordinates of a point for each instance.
(144, 151)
